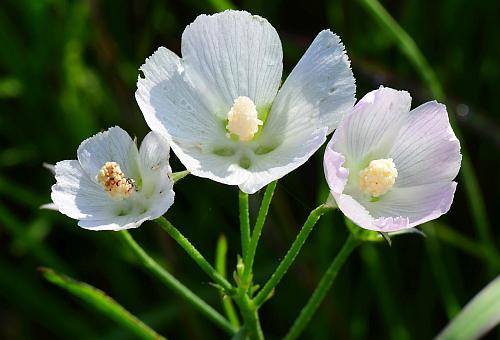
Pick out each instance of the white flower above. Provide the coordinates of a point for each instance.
(112, 185)
(220, 108)
(390, 168)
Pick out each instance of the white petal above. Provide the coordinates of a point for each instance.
(426, 150)
(114, 224)
(232, 54)
(154, 154)
(170, 103)
(157, 185)
(321, 85)
(370, 130)
(285, 158)
(205, 163)
(76, 196)
(113, 145)
(174, 108)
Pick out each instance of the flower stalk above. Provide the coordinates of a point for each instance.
(290, 256)
(195, 254)
(322, 289)
(175, 285)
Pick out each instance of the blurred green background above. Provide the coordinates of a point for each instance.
(68, 69)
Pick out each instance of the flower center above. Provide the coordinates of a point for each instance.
(114, 182)
(378, 177)
(242, 119)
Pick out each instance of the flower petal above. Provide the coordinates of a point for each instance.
(419, 203)
(426, 150)
(321, 85)
(400, 208)
(115, 223)
(232, 54)
(157, 185)
(78, 197)
(373, 125)
(285, 158)
(113, 145)
(154, 154)
(336, 175)
(174, 108)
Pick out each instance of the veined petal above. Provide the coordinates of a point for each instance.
(336, 175)
(373, 125)
(113, 145)
(321, 86)
(285, 158)
(400, 208)
(77, 196)
(115, 223)
(232, 54)
(419, 203)
(154, 154)
(426, 150)
(157, 186)
(208, 164)
(172, 105)
(175, 109)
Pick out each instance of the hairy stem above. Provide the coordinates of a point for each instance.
(290, 256)
(195, 254)
(175, 285)
(322, 289)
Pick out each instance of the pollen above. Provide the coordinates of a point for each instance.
(378, 177)
(242, 119)
(114, 182)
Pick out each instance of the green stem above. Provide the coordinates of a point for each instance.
(257, 230)
(220, 265)
(249, 312)
(322, 288)
(175, 285)
(409, 48)
(290, 256)
(244, 223)
(195, 254)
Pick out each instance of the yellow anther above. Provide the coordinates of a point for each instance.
(378, 177)
(242, 119)
(114, 182)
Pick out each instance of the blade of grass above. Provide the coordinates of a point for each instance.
(449, 235)
(102, 302)
(441, 272)
(390, 311)
(220, 266)
(478, 317)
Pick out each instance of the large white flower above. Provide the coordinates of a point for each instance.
(112, 185)
(390, 168)
(220, 108)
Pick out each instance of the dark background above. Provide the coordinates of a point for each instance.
(68, 69)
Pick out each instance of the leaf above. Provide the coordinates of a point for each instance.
(102, 302)
(478, 317)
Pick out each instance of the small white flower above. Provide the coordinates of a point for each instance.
(220, 108)
(390, 168)
(112, 185)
